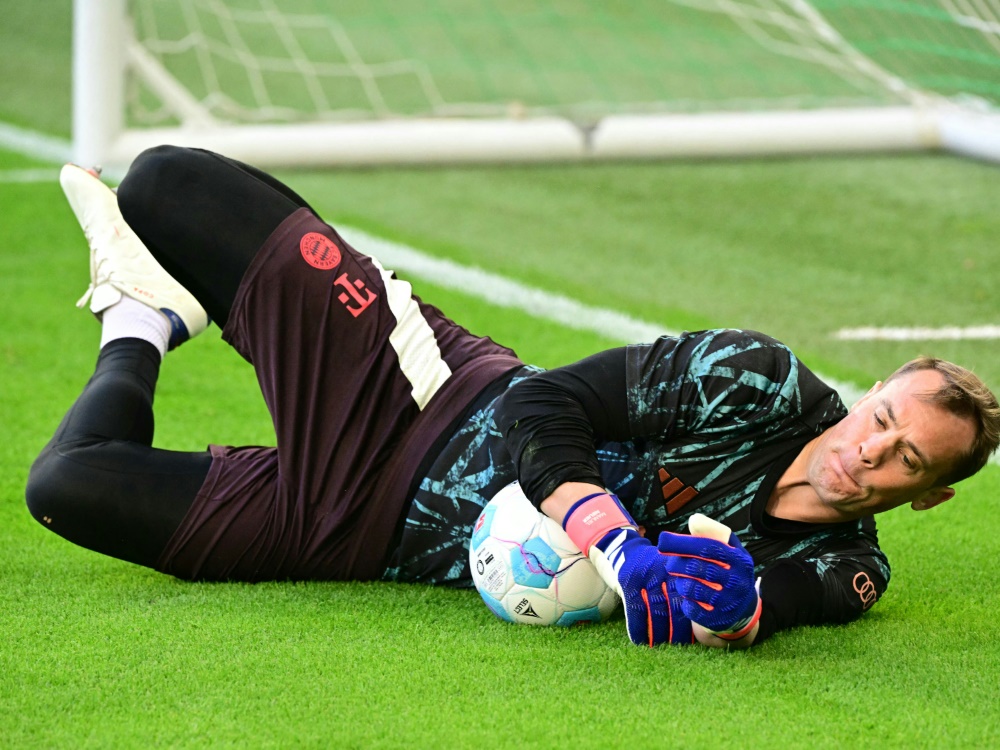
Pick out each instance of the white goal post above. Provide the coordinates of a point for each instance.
(112, 60)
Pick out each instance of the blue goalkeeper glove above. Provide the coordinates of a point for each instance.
(632, 566)
(653, 609)
(715, 582)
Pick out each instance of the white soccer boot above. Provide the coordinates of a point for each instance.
(121, 264)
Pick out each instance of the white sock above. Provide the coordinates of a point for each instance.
(129, 318)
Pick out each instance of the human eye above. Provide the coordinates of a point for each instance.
(878, 420)
(909, 462)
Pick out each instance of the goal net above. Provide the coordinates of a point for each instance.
(289, 82)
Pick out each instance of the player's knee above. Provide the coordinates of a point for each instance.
(59, 482)
(155, 176)
(46, 488)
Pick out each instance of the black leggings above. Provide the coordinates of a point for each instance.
(99, 482)
(203, 217)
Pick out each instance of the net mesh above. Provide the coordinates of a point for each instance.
(251, 61)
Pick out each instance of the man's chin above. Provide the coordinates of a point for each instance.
(844, 503)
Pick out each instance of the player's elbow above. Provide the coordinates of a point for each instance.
(865, 590)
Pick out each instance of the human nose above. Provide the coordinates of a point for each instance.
(873, 449)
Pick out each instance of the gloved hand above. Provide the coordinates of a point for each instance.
(632, 566)
(715, 581)
(653, 609)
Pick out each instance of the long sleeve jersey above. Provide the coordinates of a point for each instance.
(705, 422)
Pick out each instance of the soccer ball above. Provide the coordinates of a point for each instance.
(528, 571)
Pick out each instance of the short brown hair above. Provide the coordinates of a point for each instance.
(966, 396)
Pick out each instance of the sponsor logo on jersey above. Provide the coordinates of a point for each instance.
(675, 493)
(319, 251)
(356, 297)
(866, 589)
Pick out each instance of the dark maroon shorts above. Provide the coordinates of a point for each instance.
(361, 378)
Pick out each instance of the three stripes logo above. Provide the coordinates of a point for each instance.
(675, 494)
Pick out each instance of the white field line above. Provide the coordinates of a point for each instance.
(29, 175)
(33, 144)
(946, 333)
(499, 290)
(502, 291)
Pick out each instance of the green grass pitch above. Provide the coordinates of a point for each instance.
(98, 653)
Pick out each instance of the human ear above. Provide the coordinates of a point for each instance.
(933, 497)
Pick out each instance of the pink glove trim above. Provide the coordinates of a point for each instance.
(593, 517)
(745, 630)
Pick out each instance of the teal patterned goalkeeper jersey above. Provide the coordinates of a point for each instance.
(704, 421)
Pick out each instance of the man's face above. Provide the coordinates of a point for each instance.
(889, 450)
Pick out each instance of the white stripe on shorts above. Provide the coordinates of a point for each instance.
(413, 339)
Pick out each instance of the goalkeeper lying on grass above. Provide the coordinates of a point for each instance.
(395, 426)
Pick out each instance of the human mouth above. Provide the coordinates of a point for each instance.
(842, 472)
